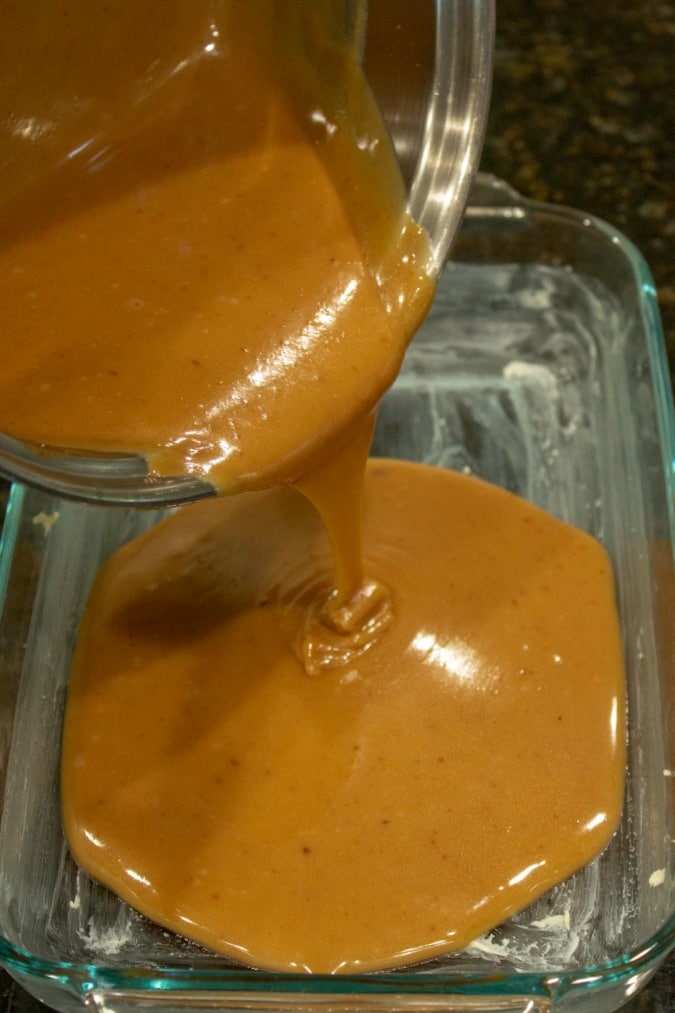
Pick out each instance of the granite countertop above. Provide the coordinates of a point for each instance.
(583, 114)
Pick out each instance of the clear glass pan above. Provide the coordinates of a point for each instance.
(541, 368)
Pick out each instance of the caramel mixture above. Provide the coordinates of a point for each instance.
(204, 253)
(300, 753)
(388, 809)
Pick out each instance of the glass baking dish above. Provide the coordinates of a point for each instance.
(540, 368)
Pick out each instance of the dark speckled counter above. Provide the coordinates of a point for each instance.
(583, 114)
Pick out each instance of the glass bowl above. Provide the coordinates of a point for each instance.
(430, 67)
(540, 368)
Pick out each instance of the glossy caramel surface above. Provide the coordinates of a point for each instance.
(389, 808)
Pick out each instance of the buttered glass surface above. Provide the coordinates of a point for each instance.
(297, 752)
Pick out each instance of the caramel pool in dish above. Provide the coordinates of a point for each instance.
(380, 812)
